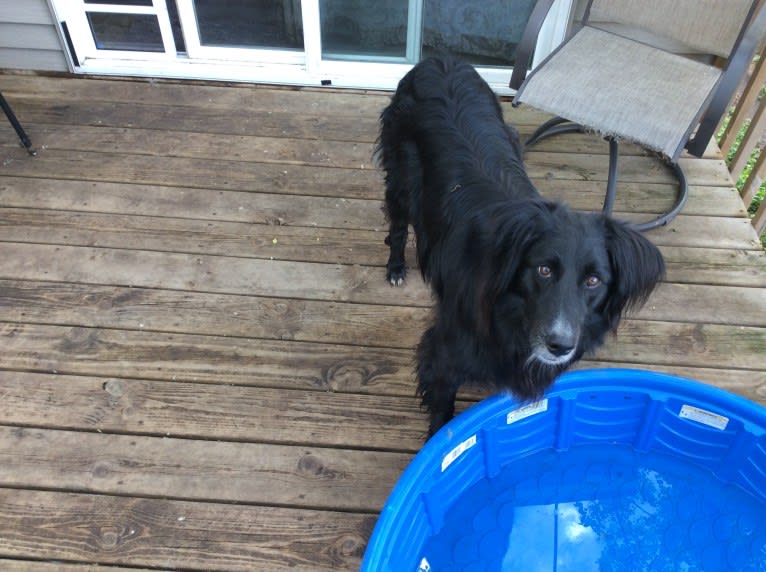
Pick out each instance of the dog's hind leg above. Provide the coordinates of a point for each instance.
(399, 179)
(435, 385)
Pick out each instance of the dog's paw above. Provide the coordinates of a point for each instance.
(396, 276)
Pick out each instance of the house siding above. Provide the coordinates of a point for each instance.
(28, 37)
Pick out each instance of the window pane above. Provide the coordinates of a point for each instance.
(483, 32)
(134, 32)
(250, 23)
(364, 28)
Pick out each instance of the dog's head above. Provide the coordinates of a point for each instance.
(549, 283)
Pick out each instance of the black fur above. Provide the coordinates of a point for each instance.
(524, 287)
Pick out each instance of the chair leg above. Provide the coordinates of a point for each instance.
(552, 127)
(17, 126)
(559, 125)
(681, 195)
(611, 181)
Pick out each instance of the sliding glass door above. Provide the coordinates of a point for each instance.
(354, 43)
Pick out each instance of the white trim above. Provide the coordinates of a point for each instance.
(553, 30)
(120, 8)
(414, 30)
(312, 36)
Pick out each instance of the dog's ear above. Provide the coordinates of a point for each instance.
(637, 266)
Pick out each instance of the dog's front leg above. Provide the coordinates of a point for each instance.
(436, 384)
(396, 270)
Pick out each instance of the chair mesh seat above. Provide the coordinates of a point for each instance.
(620, 87)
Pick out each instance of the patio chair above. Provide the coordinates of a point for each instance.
(16, 125)
(659, 73)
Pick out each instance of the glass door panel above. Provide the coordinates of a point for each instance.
(129, 32)
(483, 32)
(365, 29)
(243, 30)
(250, 23)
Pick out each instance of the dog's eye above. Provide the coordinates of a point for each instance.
(544, 271)
(592, 281)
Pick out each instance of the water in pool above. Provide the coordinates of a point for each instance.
(605, 509)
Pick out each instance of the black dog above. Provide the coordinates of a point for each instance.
(524, 287)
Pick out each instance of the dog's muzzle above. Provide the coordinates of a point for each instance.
(557, 347)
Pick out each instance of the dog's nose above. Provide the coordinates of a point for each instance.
(559, 345)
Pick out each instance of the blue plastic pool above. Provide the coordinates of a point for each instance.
(615, 470)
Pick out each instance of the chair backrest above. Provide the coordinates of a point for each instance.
(708, 26)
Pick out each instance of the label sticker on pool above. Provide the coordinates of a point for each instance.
(705, 417)
(527, 411)
(452, 456)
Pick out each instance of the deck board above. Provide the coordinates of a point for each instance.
(201, 366)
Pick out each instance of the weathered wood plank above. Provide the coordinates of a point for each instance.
(203, 119)
(207, 358)
(152, 277)
(178, 534)
(251, 149)
(715, 232)
(312, 365)
(269, 123)
(306, 280)
(226, 412)
(148, 309)
(333, 367)
(301, 210)
(282, 242)
(309, 244)
(211, 411)
(545, 165)
(715, 266)
(351, 155)
(192, 203)
(274, 364)
(253, 473)
(238, 316)
(39, 566)
(230, 98)
(750, 384)
(183, 94)
(213, 173)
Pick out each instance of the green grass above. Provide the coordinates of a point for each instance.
(761, 193)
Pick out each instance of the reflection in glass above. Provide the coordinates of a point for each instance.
(483, 32)
(364, 28)
(250, 23)
(135, 32)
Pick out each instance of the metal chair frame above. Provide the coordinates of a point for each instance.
(695, 144)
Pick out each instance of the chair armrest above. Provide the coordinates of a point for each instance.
(727, 86)
(526, 46)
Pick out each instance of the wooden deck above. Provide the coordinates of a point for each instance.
(201, 365)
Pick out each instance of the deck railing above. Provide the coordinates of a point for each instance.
(742, 139)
